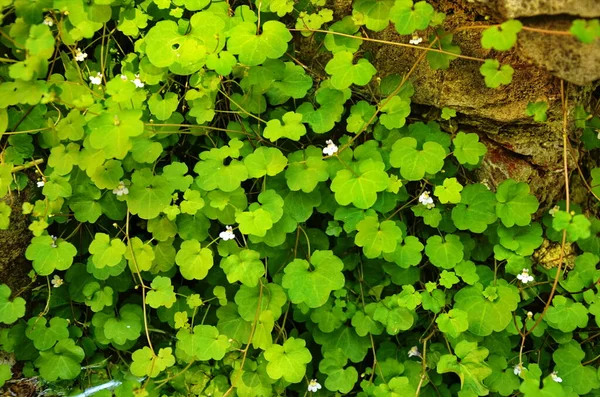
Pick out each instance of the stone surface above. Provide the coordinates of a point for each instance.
(13, 242)
(528, 8)
(562, 56)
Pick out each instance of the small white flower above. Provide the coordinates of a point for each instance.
(530, 315)
(415, 40)
(123, 77)
(97, 79)
(121, 189)
(554, 210)
(227, 234)
(525, 277)
(80, 55)
(518, 369)
(331, 148)
(41, 183)
(57, 281)
(138, 83)
(414, 352)
(555, 377)
(426, 200)
(313, 386)
(54, 238)
(48, 21)
(598, 136)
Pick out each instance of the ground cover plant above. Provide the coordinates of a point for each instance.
(212, 217)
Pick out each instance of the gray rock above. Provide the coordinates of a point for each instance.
(529, 8)
(562, 56)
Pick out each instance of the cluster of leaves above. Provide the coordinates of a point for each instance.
(208, 221)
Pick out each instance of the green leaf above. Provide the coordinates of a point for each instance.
(501, 37)
(537, 110)
(44, 337)
(441, 61)
(448, 279)
(10, 311)
(445, 253)
(448, 113)
(449, 191)
(339, 379)
(515, 204)
(161, 294)
(192, 202)
(375, 238)
(360, 114)
(406, 254)
(48, 254)
(139, 255)
(5, 373)
(222, 63)
(376, 13)
(254, 49)
(346, 25)
(453, 323)
(245, 267)
(96, 297)
(265, 161)
(394, 112)
(291, 81)
(476, 209)
(584, 274)
(495, 76)
(344, 73)
(194, 262)
(62, 362)
(487, 314)
(468, 149)
(522, 240)
(288, 361)
(306, 169)
(361, 185)
(112, 132)
(577, 226)
(471, 369)
(324, 118)
(205, 343)
(408, 17)
(291, 129)
(148, 194)
(272, 299)
(414, 163)
(127, 327)
(313, 287)
(566, 315)
(106, 252)
(217, 175)
(582, 379)
(586, 31)
(256, 222)
(146, 363)
(163, 108)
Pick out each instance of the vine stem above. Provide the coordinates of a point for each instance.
(30, 164)
(526, 28)
(424, 363)
(245, 351)
(564, 235)
(144, 287)
(387, 42)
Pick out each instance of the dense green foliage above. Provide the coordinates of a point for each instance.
(212, 217)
